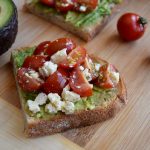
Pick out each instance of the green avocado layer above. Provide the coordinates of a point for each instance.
(81, 19)
(100, 97)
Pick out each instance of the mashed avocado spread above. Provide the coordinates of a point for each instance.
(100, 97)
(103, 9)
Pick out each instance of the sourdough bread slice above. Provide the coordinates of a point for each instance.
(54, 124)
(87, 32)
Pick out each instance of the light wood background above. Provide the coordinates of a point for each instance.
(129, 130)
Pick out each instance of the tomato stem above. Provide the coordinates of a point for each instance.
(143, 21)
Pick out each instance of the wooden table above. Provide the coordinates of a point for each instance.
(130, 129)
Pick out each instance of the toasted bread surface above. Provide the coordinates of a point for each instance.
(38, 127)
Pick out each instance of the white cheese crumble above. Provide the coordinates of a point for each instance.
(68, 108)
(50, 109)
(70, 95)
(59, 56)
(41, 98)
(82, 8)
(48, 68)
(87, 74)
(115, 77)
(81, 68)
(33, 106)
(97, 66)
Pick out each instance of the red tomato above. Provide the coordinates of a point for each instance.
(90, 4)
(26, 82)
(41, 48)
(64, 5)
(60, 44)
(104, 79)
(34, 62)
(74, 58)
(50, 3)
(131, 26)
(56, 82)
(79, 83)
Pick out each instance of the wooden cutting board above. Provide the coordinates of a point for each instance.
(130, 129)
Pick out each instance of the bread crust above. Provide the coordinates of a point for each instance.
(85, 33)
(40, 127)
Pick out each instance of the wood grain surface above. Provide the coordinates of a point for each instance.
(129, 130)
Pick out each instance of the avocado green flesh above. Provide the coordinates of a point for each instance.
(6, 12)
(100, 98)
(80, 19)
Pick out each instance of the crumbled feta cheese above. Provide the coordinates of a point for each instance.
(115, 77)
(48, 68)
(83, 8)
(70, 96)
(68, 108)
(50, 109)
(41, 99)
(33, 106)
(81, 68)
(55, 99)
(59, 56)
(97, 66)
(87, 74)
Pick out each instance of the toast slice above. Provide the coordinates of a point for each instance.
(83, 25)
(36, 126)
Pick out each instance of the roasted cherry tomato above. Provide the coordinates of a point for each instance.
(60, 44)
(27, 82)
(79, 83)
(56, 82)
(50, 3)
(34, 61)
(131, 26)
(74, 58)
(64, 5)
(41, 48)
(89, 4)
(104, 79)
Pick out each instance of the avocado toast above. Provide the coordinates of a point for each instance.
(83, 24)
(81, 99)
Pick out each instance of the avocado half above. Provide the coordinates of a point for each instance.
(8, 24)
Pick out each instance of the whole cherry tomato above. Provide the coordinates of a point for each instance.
(56, 82)
(64, 5)
(131, 26)
(34, 61)
(79, 83)
(27, 82)
(60, 44)
(74, 58)
(50, 3)
(41, 48)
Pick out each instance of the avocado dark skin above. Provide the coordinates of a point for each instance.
(8, 32)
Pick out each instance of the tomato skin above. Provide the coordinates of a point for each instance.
(104, 79)
(60, 44)
(50, 3)
(74, 58)
(79, 83)
(26, 83)
(34, 61)
(41, 48)
(64, 6)
(131, 27)
(56, 82)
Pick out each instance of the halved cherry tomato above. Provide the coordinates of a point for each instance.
(26, 82)
(56, 82)
(104, 79)
(50, 3)
(131, 26)
(90, 4)
(74, 58)
(41, 48)
(34, 61)
(64, 5)
(60, 44)
(79, 83)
